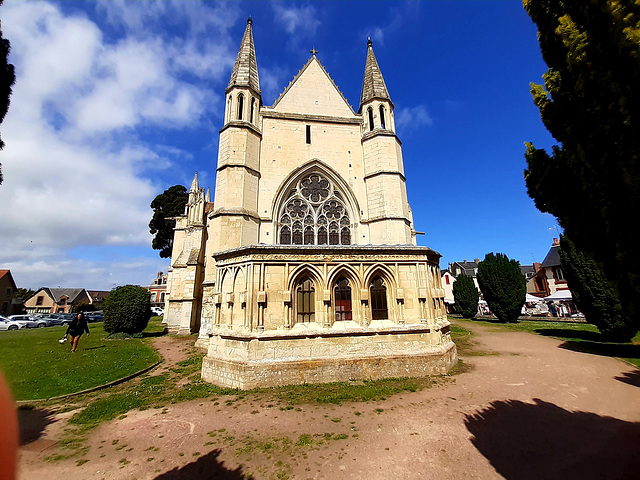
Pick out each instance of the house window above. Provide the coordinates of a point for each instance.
(446, 279)
(39, 300)
(314, 214)
(63, 301)
(559, 274)
(308, 129)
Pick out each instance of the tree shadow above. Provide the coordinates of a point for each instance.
(541, 440)
(583, 335)
(204, 468)
(619, 350)
(31, 423)
(155, 334)
(632, 378)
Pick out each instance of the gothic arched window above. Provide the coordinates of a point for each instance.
(370, 110)
(314, 214)
(240, 106)
(252, 111)
(382, 121)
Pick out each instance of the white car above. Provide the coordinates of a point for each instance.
(157, 311)
(8, 324)
(27, 321)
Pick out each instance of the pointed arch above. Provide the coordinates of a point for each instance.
(240, 112)
(315, 206)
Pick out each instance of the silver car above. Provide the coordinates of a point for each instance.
(8, 324)
(27, 321)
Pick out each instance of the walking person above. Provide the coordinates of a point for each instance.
(76, 328)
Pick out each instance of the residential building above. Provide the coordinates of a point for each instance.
(158, 289)
(7, 289)
(56, 300)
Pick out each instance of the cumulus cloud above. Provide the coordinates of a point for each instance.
(411, 118)
(78, 157)
(299, 20)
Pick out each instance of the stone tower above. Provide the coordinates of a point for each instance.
(389, 219)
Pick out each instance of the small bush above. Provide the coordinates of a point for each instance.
(127, 310)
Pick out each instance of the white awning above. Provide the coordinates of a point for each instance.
(532, 298)
(560, 295)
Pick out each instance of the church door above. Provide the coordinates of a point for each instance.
(343, 300)
(305, 302)
(379, 300)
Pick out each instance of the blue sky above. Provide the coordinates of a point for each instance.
(117, 101)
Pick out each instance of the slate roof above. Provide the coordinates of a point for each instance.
(373, 85)
(245, 70)
(553, 257)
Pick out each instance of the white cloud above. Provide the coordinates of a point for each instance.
(410, 118)
(296, 20)
(76, 163)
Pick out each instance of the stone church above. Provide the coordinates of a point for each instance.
(305, 267)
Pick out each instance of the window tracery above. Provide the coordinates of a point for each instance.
(314, 214)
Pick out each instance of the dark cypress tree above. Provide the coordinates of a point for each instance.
(503, 286)
(466, 296)
(169, 203)
(7, 79)
(593, 294)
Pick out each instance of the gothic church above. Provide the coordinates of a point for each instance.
(305, 267)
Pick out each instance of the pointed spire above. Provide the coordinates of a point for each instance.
(245, 70)
(207, 197)
(194, 185)
(373, 85)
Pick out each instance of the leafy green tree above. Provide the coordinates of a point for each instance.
(7, 79)
(466, 296)
(169, 203)
(127, 309)
(590, 103)
(84, 307)
(23, 294)
(593, 295)
(503, 286)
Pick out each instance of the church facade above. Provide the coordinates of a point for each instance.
(305, 267)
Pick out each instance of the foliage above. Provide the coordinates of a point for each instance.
(168, 204)
(23, 294)
(503, 286)
(7, 79)
(37, 366)
(590, 103)
(127, 309)
(466, 296)
(593, 295)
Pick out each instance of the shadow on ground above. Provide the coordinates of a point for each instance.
(31, 423)
(204, 468)
(542, 440)
(632, 378)
(583, 335)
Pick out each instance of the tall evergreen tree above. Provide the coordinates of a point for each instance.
(590, 103)
(503, 286)
(169, 203)
(593, 295)
(7, 79)
(466, 296)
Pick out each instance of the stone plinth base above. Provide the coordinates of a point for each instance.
(269, 359)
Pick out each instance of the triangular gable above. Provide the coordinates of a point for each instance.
(313, 92)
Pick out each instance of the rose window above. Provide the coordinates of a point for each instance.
(314, 214)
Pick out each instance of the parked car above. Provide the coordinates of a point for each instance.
(66, 318)
(8, 324)
(94, 316)
(157, 311)
(41, 321)
(52, 318)
(26, 320)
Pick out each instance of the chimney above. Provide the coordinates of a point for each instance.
(537, 266)
(556, 242)
(476, 260)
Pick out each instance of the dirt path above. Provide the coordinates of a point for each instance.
(531, 410)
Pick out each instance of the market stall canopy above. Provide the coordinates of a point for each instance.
(560, 295)
(532, 298)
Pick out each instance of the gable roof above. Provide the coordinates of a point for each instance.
(313, 91)
(57, 293)
(553, 257)
(9, 277)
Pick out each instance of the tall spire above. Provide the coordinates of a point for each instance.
(373, 85)
(245, 70)
(194, 184)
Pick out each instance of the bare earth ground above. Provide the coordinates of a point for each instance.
(531, 410)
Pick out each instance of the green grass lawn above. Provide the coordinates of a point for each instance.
(580, 337)
(36, 366)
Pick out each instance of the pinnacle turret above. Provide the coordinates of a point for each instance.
(245, 70)
(373, 85)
